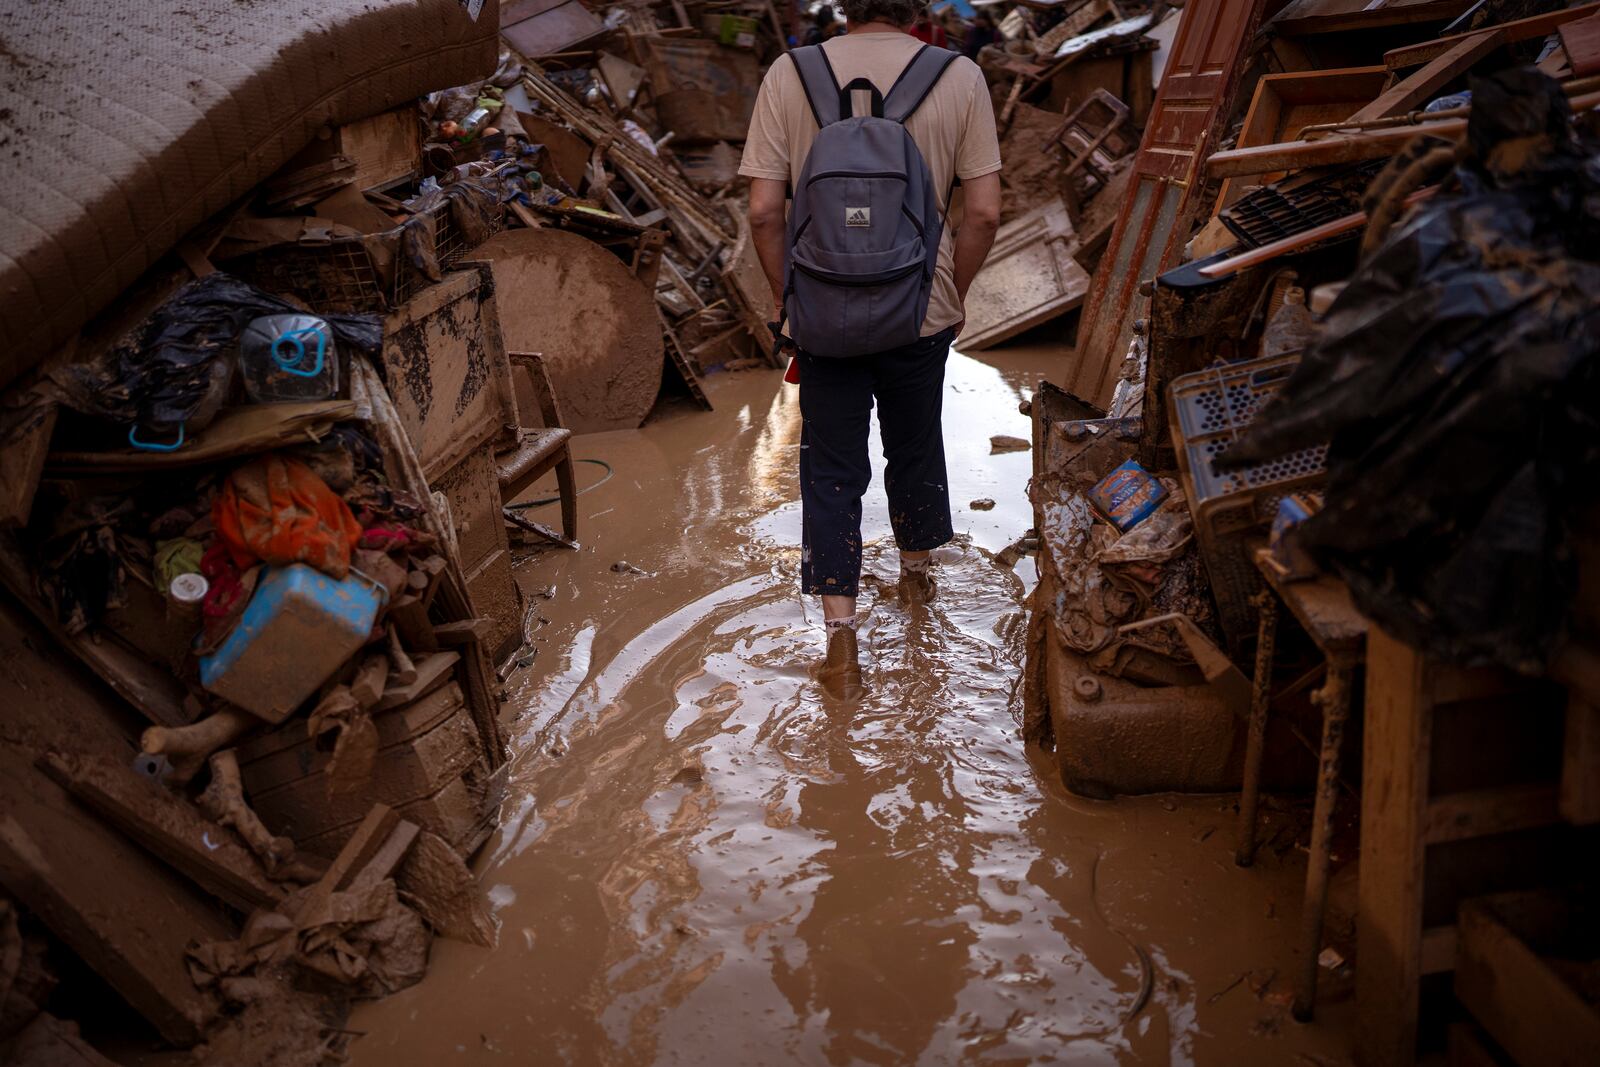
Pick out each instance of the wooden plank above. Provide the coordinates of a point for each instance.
(1196, 93)
(1437, 951)
(1512, 32)
(433, 669)
(1305, 18)
(1394, 791)
(1324, 609)
(1284, 104)
(1581, 41)
(22, 461)
(125, 914)
(1327, 151)
(152, 690)
(1580, 763)
(358, 851)
(1481, 812)
(1423, 85)
(171, 828)
(1538, 1017)
(383, 863)
(1468, 1046)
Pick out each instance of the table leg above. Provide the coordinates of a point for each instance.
(1250, 795)
(1334, 698)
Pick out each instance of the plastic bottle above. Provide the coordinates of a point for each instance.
(289, 358)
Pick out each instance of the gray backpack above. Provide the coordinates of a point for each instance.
(864, 231)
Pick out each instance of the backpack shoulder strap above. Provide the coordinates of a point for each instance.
(821, 85)
(916, 82)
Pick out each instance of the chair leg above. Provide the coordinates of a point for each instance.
(568, 482)
(1334, 697)
(1266, 637)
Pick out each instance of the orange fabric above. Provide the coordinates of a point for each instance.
(276, 510)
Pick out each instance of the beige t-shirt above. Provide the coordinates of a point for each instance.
(954, 128)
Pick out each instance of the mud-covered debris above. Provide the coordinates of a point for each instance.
(983, 503)
(622, 566)
(1005, 443)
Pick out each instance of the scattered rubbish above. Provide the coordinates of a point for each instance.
(1127, 496)
(1004, 443)
(982, 504)
(622, 566)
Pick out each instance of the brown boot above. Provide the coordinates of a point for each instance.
(840, 673)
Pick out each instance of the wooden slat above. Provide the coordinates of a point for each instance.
(1423, 85)
(1394, 791)
(1520, 30)
(127, 916)
(1436, 953)
(1481, 812)
(1580, 763)
(171, 828)
(1537, 1016)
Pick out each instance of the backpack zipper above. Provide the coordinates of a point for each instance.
(853, 174)
(834, 278)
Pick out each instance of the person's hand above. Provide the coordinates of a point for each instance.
(777, 311)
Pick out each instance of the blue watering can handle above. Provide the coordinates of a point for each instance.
(293, 337)
(154, 446)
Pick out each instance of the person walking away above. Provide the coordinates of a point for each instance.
(870, 277)
(981, 33)
(928, 31)
(824, 26)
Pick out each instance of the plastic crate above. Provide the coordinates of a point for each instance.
(340, 275)
(1210, 410)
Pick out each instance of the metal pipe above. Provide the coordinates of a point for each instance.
(1334, 697)
(1250, 794)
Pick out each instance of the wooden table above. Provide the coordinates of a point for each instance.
(1323, 608)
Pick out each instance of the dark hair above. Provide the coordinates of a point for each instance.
(894, 12)
(824, 16)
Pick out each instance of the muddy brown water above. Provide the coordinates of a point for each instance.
(706, 859)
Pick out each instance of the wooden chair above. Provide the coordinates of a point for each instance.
(538, 449)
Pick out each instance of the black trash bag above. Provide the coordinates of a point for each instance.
(162, 373)
(1458, 384)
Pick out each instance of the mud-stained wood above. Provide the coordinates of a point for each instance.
(171, 828)
(1396, 741)
(1512, 991)
(125, 914)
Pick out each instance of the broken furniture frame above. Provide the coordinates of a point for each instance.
(539, 450)
(1099, 125)
(1324, 610)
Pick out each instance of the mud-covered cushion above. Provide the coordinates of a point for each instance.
(125, 125)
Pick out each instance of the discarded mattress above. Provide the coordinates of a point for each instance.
(124, 128)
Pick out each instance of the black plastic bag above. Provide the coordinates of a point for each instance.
(1458, 384)
(162, 373)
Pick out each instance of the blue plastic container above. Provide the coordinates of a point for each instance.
(298, 629)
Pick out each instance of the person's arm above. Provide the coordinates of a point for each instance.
(767, 196)
(979, 221)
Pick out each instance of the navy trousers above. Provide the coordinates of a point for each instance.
(836, 397)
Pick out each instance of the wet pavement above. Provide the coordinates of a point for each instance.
(706, 859)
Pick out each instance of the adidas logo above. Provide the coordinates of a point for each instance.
(858, 216)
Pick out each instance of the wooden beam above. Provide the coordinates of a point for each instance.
(1580, 763)
(1421, 86)
(170, 827)
(1481, 812)
(1351, 147)
(1394, 795)
(1512, 32)
(126, 916)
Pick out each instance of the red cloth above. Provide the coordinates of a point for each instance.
(930, 33)
(276, 510)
